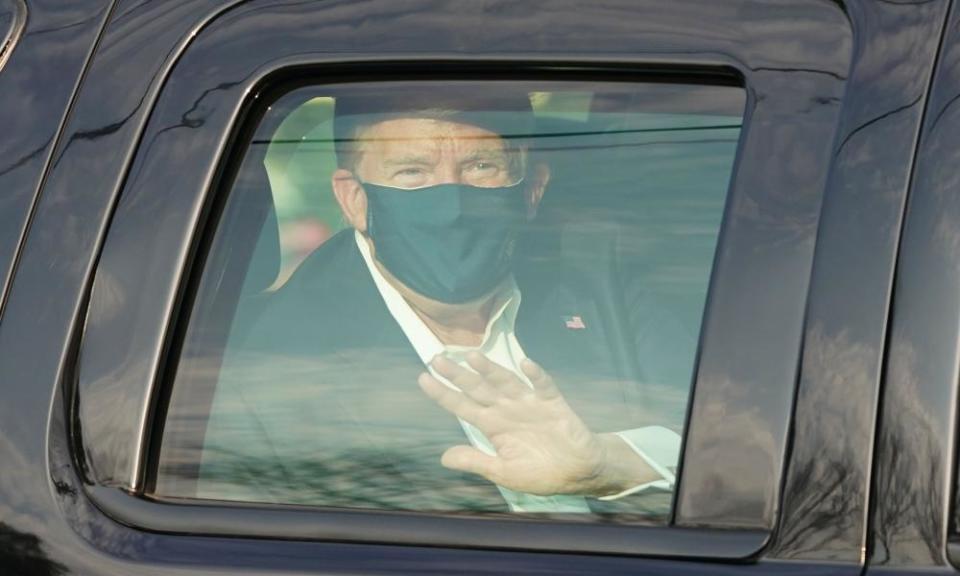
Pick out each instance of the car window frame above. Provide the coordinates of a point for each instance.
(608, 69)
(465, 530)
(261, 125)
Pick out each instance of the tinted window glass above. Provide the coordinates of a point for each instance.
(457, 296)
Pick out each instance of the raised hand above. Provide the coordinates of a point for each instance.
(542, 446)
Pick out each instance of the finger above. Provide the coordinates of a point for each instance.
(452, 401)
(542, 382)
(503, 379)
(469, 382)
(472, 460)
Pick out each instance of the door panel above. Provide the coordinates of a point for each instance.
(192, 69)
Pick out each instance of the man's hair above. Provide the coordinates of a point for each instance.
(503, 112)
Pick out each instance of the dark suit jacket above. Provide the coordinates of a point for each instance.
(317, 400)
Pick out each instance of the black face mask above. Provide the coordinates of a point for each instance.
(451, 242)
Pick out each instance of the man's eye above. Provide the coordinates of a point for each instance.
(487, 167)
(409, 172)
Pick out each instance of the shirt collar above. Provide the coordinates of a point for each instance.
(424, 341)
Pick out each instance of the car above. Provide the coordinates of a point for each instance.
(767, 188)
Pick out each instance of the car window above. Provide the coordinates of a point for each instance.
(463, 297)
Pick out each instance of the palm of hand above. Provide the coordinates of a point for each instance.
(542, 446)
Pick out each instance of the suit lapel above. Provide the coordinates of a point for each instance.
(367, 379)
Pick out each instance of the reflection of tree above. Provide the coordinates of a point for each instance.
(824, 502)
(341, 444)
(361, 479)
(909, 491)
(820, 507)
(366, 479)
(22, 554)
(823, 508)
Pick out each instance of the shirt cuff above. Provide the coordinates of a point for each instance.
(659, 447)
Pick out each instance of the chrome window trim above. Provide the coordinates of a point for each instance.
(12, 36)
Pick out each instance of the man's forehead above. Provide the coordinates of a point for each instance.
(431, 132)
(426, 142)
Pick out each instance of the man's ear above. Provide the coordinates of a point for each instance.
(351, 198)
(537, 187)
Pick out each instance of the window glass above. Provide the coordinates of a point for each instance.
(469, 297)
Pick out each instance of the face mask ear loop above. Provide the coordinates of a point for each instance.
(366, 234)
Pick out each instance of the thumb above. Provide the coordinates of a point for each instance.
(469, 459)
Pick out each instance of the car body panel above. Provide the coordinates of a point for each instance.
(50, 44)
(829, 473)
(916, 447)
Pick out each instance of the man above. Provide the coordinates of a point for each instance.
(421, 291)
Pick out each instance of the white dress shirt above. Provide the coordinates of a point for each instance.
(658, 446)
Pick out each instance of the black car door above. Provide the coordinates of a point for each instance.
(779, 420)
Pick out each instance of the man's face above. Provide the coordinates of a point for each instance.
(412, 153)
(419, 152)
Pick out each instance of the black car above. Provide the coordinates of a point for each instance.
(739, 254)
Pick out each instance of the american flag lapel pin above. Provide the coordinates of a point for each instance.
(574, 322)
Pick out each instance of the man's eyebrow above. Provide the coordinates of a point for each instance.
(407, 160)
(484, 154)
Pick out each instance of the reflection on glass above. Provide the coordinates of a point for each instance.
(464, 297)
